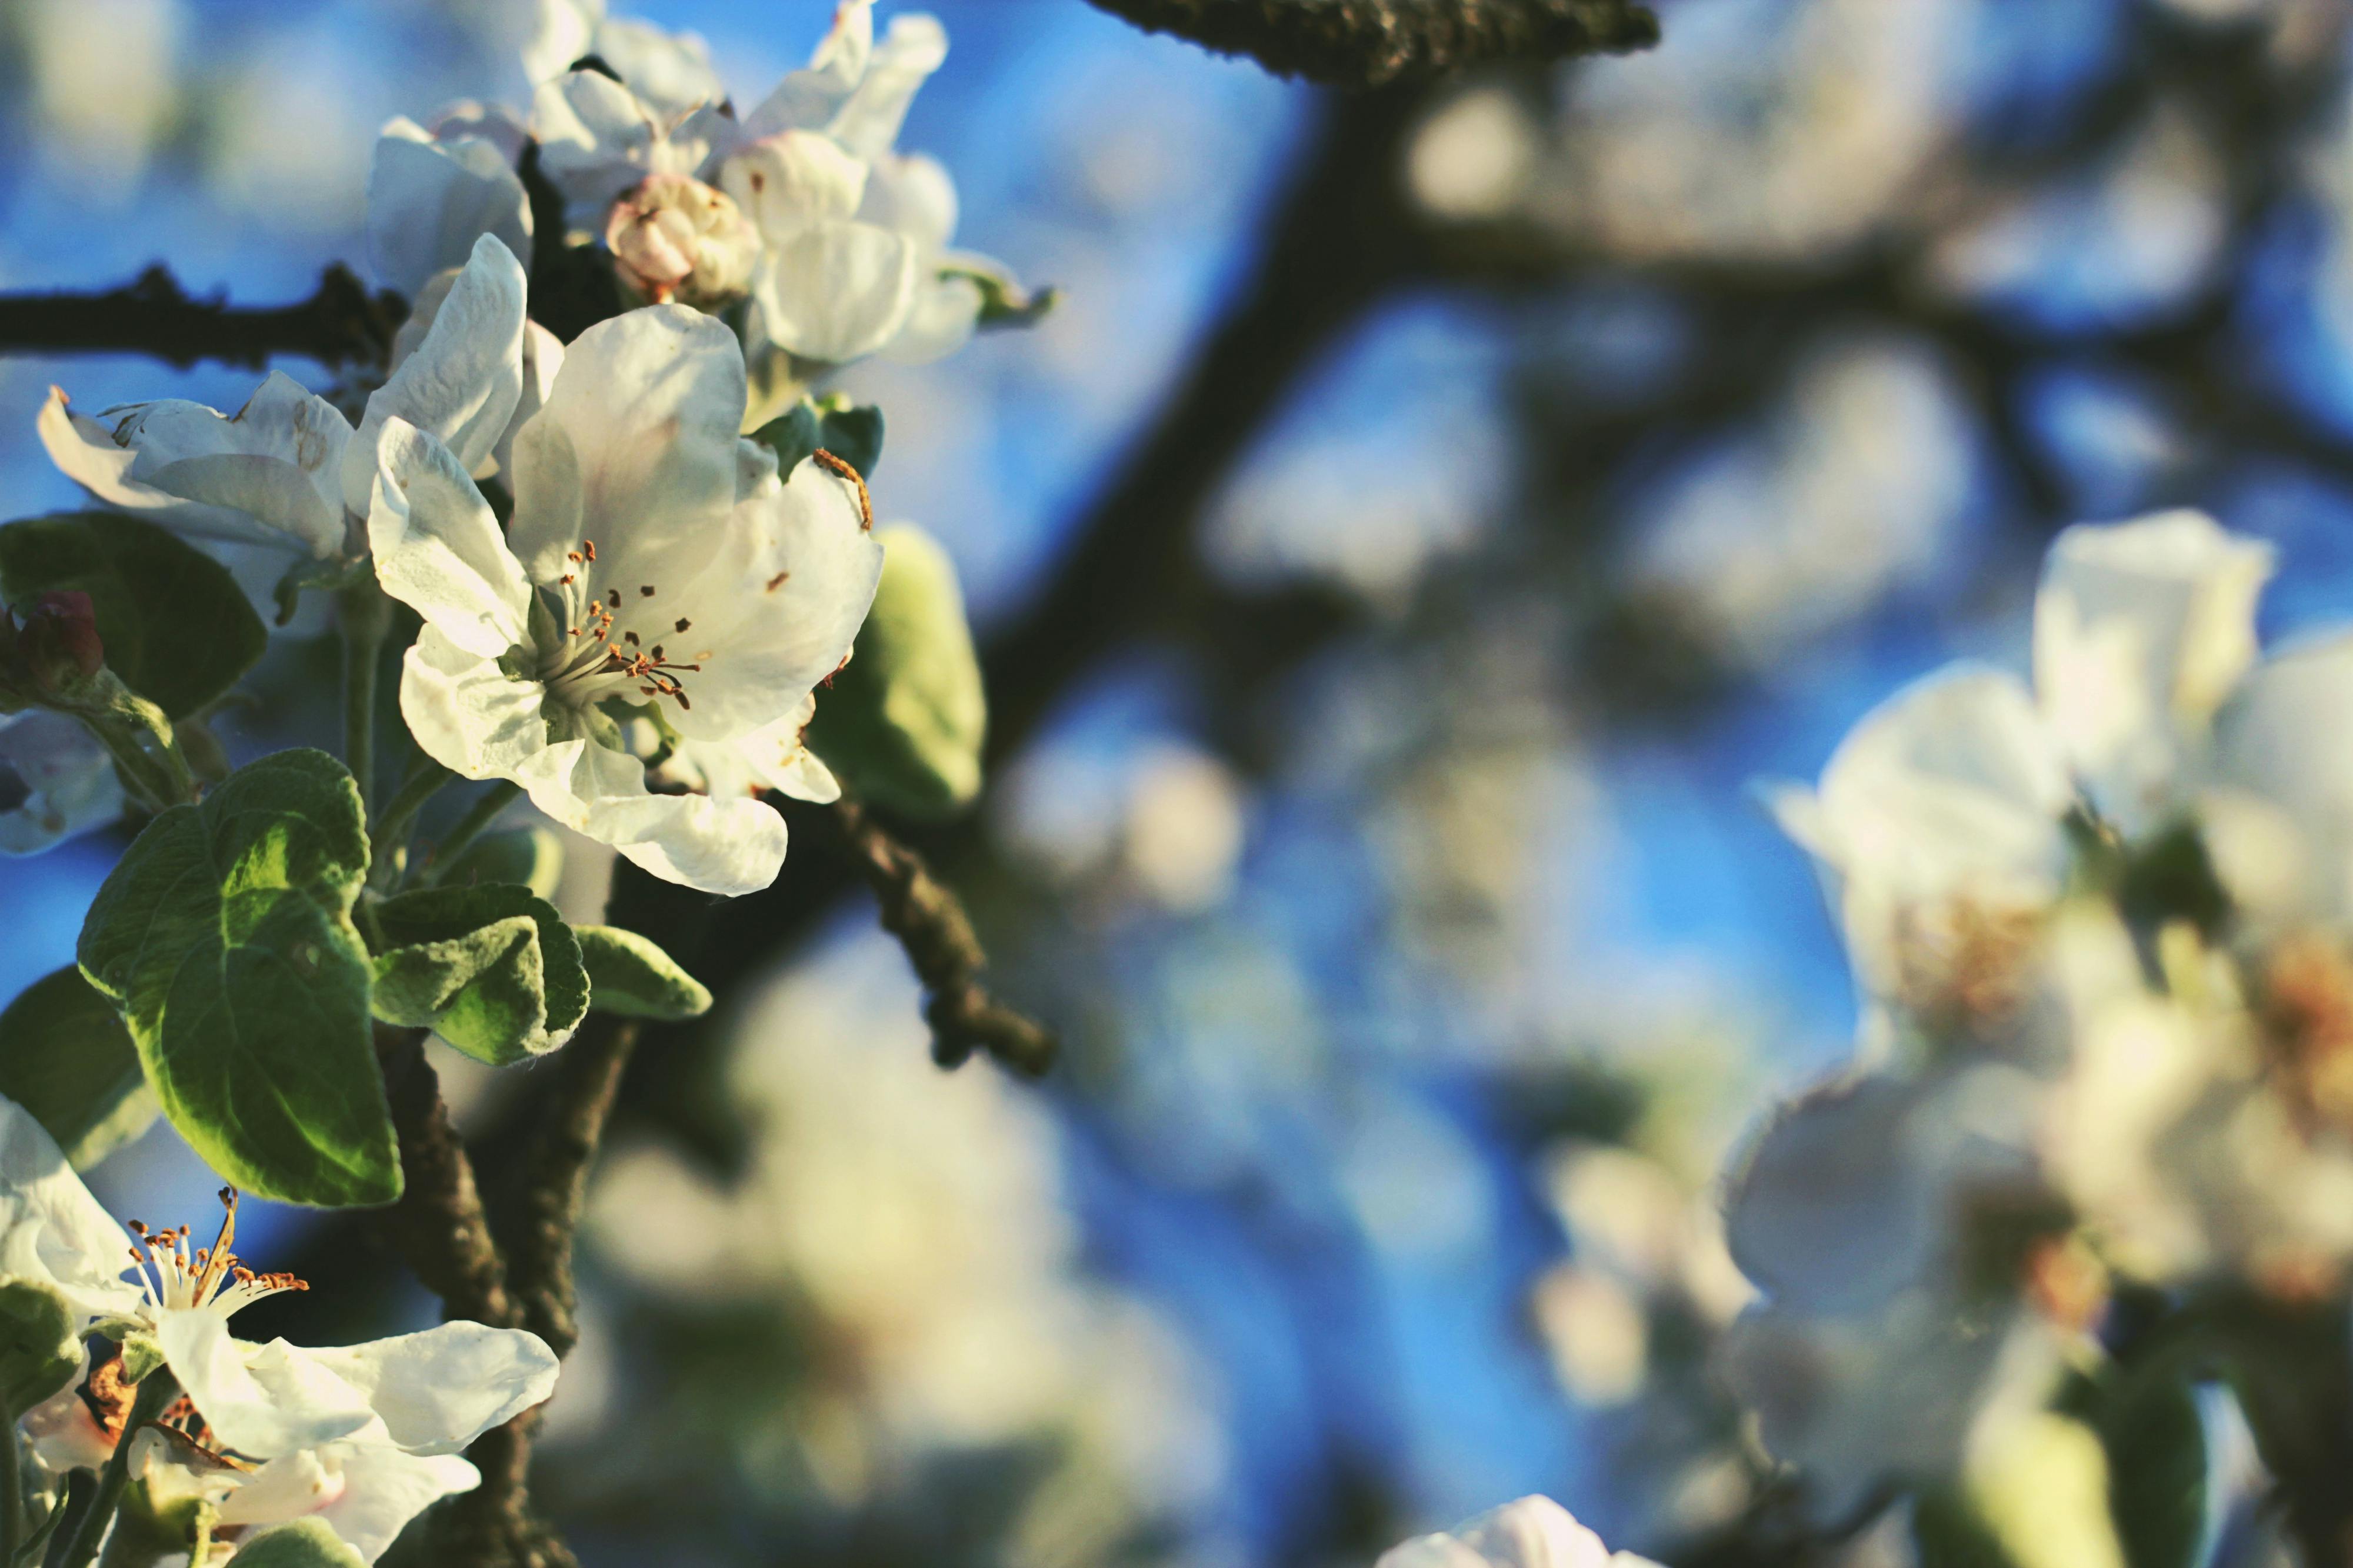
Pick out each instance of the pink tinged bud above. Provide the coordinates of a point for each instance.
(59, 643)
(675, 238)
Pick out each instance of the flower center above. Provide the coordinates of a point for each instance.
(177, 1280)
(599, 655)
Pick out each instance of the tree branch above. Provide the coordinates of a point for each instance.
(343, 324)
(1364, 43)
(931, 924)
(438, 1222)
(539, 1256)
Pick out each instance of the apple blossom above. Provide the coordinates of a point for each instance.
(364, 1436)
(433, 192)
(676, 238)
(659, 577)
(1532, 1533)
(287, 471)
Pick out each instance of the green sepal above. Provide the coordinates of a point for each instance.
(140, 1354)
(491, 968)
(40, 1342)
(224, 939)
(305, 1544)
(903, 722)
(66, 1059)
(631, 975)
(332, 577)
(1004, 302)
(177, 629)
(851, 432)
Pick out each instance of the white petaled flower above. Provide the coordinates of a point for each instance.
(56, 781)
(364, 1437)
(677, 239)
(856, 235)
(433, 192)
(288, 473)
(1532, 1533)
(670, 71)
(1938, 827)
(2141, 631)
(598, 140)
(1904, 1237)
(659, 576)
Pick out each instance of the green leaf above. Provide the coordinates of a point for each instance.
(850, 432)
(903, 722)
(305, 1544)
(66, 1058)
(177, 629)
(2038, 1482)
(528, 856)
(224, 939)
(491, 968)
(631, 975)
(2156, 1443)
(40, 1342)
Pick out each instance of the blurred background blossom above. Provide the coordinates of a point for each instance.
(1418, 976)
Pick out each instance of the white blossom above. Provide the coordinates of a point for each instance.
(659, 577)
(287, 471)
(432, 192)
(363, 1435)
(1532, 1533)
(56, 781)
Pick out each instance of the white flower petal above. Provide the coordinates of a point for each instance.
(635, 450)
(913, 195)
(726, 847)
(85, 451)
(438, 547)
(810, 98)
(466, 713)
(543, 357)
(438, 1390)
(837, 291)
(791, 579)
(259, 1401)
(463, 382)
(2279, 823)
(1950, 793)
(564, 31)
(2141, 629)
(946, 312)
(50, 1228)
(595, 141)
(277, 461)
(909, 53)
(671, 73)
(1532, 1533)
(789, 180)
(428, 200)
(56, 781)
(384, 1488)
(778, 758)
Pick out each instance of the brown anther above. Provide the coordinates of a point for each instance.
(645, 591)
(137, 1227)
(613, 597)
(590, 546)
(568, 577)
(827, 460)
(573, 556)
(683, 624)
(775, 582)
(631, 638)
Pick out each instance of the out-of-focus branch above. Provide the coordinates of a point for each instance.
(343, 324)
(1364, 43)
(931, 924)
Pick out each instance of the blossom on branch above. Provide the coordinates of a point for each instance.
(660, 583)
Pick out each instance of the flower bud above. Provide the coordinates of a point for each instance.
(59, 642)
(675, 238)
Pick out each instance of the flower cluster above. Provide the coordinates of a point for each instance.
(221, 1438)
(2100, 928)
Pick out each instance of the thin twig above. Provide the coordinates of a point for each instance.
(1364, 43)
(343, 324)
(931, 924)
